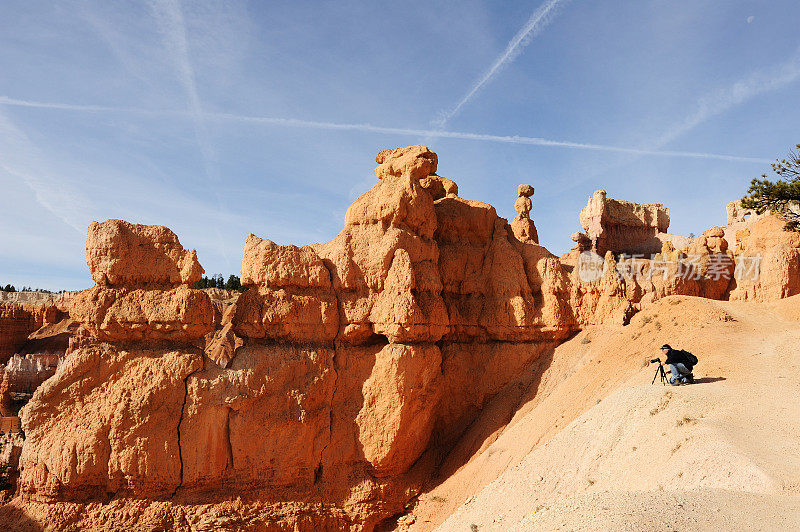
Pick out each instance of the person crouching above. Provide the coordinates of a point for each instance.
(680, 366)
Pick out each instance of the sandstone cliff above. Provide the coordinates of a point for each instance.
(19, 320)
(333, 389)
(335, 379)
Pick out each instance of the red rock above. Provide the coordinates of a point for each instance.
(326, 393)
(416, 162)
(767, 262)
(118, 314)
(623, 226)
(122, 253)
(19, 320)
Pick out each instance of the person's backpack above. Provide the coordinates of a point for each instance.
(689, 358)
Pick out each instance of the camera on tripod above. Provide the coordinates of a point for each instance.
(659, 371)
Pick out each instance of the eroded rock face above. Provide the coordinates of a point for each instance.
(122, 253)
(325, 381)
(106, 423)
(622, 226)
(142, 288)
(116, 314)
(395, 423)
(767, 261)
(332, 385)
(19, 320)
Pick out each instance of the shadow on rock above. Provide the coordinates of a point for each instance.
(703, 380)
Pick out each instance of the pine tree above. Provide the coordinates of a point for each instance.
(781, 197)
(233, 283)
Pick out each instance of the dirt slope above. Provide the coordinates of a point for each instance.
(594, 444)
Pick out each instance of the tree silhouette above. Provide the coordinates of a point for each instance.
(781, 197)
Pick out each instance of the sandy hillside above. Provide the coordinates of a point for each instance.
(592, 444)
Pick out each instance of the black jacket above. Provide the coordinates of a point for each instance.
(677, 356)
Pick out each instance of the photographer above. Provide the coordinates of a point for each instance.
(680, 365)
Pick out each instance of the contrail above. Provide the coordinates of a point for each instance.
(538, 21)
(721, 100)
(708, 106)
(169, 17)
(508, 139)
(5, 100)
(419, 133)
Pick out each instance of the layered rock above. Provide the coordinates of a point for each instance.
(119, 408)
(142, 286)
(767, 261)
(626, 227)
(19, 320)
(326, 394)
(20, 377)
(362, 348)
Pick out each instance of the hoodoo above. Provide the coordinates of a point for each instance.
(330, 393)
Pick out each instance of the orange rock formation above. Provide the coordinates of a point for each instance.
(327, 394)
(18, 320)
(625, 227)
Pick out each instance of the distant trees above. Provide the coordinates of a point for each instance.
(781, 197)
(233, 283)
(217, 281)
(12, 288)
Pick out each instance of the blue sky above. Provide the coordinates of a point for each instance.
(218, 119)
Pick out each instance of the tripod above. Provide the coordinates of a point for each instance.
(659, 371)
